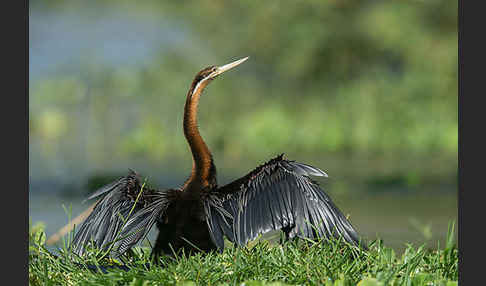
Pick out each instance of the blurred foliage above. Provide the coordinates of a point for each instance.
(372, 84)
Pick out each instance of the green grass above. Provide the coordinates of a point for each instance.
(262, 263)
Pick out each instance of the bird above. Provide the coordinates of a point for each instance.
(279, 194)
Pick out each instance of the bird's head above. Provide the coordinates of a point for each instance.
(206, 75)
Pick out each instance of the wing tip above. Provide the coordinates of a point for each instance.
(308, 170)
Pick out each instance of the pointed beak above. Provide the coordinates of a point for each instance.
(227, 67)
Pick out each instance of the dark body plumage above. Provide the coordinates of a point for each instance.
(278, 195)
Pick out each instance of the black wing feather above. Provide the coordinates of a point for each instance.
(119, 220)
(276, 195)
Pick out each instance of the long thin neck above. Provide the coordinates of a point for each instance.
(202, 161)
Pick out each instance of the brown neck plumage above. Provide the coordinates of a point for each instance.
(202, 161)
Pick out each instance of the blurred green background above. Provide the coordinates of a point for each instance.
(365, 90)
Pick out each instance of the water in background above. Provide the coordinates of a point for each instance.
(396, 218)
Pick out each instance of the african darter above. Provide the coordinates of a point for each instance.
(278, 195)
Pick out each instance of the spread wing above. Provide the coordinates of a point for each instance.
(278, 195)
(123, 217)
